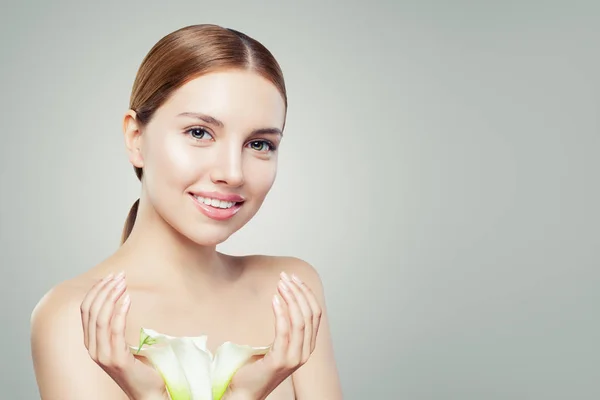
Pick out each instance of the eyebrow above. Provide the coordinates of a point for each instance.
(212, 120)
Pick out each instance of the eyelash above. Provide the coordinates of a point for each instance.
(269, 144)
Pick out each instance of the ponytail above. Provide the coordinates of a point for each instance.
(132, 211)
(130, 221)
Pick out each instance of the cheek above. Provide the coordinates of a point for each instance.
(173, 163)
(260, 176)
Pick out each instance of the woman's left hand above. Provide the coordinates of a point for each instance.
(297, 317)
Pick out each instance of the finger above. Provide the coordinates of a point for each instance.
(117, 328)
(104, 320)
(297, 322)
(306, 315)
(86, 302)
(94, 309)
(315, 307)
(90, 337)
(282, 326)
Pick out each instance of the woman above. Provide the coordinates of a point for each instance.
(206, 116)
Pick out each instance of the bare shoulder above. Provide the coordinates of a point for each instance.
(269, 267)
(58, 312)
(64, 299)
(318, 378)
(56, 320)
(61, 302)
(56, 339)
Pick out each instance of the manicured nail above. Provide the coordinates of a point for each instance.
(285, 276)
(296, 279)
(120, 285)
(107, 277)
(126, 301)
(120, 275)
(276, 300)
(283, 285)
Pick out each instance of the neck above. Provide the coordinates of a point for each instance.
(157, 253)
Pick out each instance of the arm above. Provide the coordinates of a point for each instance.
(318, 377)
(62, 365)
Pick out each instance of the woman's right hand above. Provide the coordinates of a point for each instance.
(104, 337)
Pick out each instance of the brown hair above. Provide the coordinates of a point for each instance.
(185, 54)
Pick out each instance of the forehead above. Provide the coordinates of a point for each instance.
(238, 98)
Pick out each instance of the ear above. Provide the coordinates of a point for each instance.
(133, 138)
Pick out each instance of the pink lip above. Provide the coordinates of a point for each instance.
(219, 214)
(220, 196)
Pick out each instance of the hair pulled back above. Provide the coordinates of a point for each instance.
(186, 54)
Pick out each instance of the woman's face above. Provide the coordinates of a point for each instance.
(209, 154)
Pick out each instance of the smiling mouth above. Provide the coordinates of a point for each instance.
(216, 203)
(221, 210)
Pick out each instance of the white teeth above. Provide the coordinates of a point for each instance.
(215, 202)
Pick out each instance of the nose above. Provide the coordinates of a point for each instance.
(227, 167)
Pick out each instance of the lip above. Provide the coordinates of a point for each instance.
(219, 214)
(220, 196)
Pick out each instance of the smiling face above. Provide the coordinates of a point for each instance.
(215, 138)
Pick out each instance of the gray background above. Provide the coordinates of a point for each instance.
(439, 169)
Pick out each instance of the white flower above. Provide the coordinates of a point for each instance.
(187, 366)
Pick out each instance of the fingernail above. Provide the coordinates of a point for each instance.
(283, 285)
(285, 276)
(276, 300)
(107, 277)
(120, 285)
(295, 278)
(126, 301)
(120, 275)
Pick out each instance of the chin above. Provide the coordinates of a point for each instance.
(208, 236)
(205, 231)
(211, 233)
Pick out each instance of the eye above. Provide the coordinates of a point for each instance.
(198, 133)
(262, 145)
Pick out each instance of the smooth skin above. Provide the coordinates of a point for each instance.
(103, 325)
(172, 278)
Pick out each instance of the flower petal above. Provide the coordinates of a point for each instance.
(187, 366)
(228, 359)
(200, 343)
(196, 366)
(181, 362)
(150, 337)
(165, 361)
